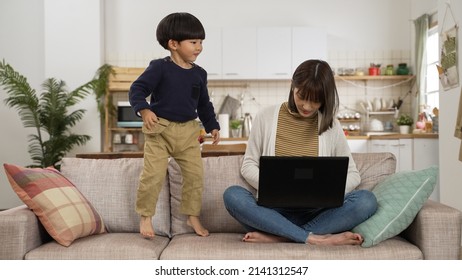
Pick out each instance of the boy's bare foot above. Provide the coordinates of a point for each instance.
(260, 237)
(195, 223)
(344, 238)
(146, 229)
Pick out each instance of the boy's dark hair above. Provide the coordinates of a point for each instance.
(179, 27)
(315, 82)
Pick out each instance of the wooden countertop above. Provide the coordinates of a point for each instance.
(215, 153)
(115, 155)
(395, 136)
(362, 137)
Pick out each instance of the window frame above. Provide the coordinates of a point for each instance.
(432, 96)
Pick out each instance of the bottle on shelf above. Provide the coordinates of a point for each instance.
(246, 125)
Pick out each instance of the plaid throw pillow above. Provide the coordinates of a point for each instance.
(64, 212)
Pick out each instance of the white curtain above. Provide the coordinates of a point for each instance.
(421, 33)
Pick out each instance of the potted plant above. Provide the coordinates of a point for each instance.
(48, 112)
(100, 87)
(404, 122)
(236, 126)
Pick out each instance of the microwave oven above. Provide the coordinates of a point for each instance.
(126, 117)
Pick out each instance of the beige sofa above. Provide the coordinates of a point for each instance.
(110, 185)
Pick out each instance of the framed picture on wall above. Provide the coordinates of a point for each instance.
(448, 73)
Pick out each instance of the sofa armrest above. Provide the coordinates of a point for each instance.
(436, 230)
(20, 232)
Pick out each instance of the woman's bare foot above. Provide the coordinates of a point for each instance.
(146, 229)
(195, 223)
(344, 238)
(260, 237)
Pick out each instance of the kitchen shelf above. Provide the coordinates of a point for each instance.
(393, 80)
(350, 120)
(375, 78)
(382, 112)
(119, 82)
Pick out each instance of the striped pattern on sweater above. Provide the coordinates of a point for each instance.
(296, 135)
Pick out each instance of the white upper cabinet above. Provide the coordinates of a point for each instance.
(211, 56)
(239, 53)
(271, 53)
(274, 53)
(308, 43)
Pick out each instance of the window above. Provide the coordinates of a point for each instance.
(432, 79)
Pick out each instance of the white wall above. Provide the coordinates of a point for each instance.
(74, 45)
(450, 166)
(43, 39)
(449, 146)
(21, 45)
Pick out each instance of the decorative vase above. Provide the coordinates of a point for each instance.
(236, 132)
(404, 129)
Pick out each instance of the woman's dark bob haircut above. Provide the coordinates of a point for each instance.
(179, 27)
(315, 82)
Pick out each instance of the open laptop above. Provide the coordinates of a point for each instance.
(302, 182)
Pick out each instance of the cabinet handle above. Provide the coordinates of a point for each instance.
(380, 145)
(281, 74)
(231, 74)
(399, 145)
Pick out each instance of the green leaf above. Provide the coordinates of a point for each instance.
(49, 113)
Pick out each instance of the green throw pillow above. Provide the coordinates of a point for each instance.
(400, 197)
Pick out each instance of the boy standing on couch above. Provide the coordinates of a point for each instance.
(178, 95)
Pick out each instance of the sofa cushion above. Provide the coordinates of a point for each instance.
(229, 246)
(374, 168)
(112, 246)
(219, 174)
(400, 197)
(110, 185)
(61, 208)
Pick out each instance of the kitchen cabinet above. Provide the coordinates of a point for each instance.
(239, 57)
(270, 53)
(211, 57)
(405, 161)
(426, 154)
(401, 148)
(280, 50)
(358, 145)
(274, 53)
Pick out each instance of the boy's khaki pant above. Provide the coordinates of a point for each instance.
(180, 141)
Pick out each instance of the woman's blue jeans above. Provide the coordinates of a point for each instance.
(297, 224)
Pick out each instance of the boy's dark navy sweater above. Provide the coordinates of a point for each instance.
(176, 94)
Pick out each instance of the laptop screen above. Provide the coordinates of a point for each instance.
(302, 182)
